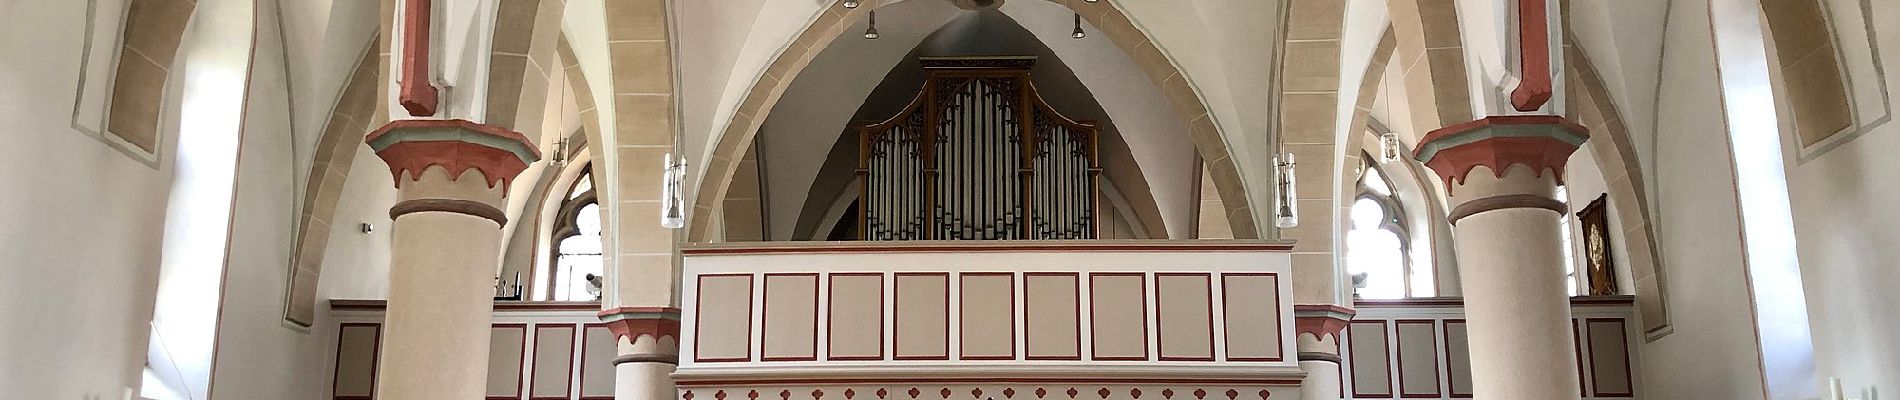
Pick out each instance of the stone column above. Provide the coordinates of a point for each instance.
(452, 179)
(1318, 327)
(648, 338)
(1502, 173)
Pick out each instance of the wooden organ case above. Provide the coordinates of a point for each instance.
(978, 155)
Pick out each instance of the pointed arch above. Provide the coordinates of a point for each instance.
(737, 136)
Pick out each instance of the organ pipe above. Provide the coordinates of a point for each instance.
(978, 155)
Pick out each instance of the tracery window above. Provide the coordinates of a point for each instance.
(1378, 247)
(577, 244)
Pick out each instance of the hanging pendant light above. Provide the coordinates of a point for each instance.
(1390, 148)
(673, 202)
(850, 3)
(871, 32)
(1286, 214)
(1078, 33)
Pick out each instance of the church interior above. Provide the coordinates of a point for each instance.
(948, 199)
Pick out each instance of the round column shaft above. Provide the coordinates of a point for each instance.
(1502, 174)
(452, 178)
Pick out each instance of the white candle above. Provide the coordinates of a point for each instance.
(1834, 389)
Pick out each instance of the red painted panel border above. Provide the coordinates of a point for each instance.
(1398, 339)
(831, 318)
(1094, 354)
(582, 360)
(572, 329)
(376, 358)
(1622, 334)
(1576, 340)
(521, 384)
(963, 312)
(983, 380)
(1385, 345)
(1207, 279)
(895, 287)
(699, 321)
(1227, 311)
(1040, 246)
(1450, 367)
(765, 306)
(1030, 353)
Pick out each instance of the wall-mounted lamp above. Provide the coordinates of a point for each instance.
(1286, 214)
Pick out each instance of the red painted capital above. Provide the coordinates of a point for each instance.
(628, 323)
(413, 145)
(1321, 320)
(1537, 141)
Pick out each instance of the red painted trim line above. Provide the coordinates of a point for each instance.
(1451, 367)
(831, 318)
(582, 360)
(896, 294)
(1397, 337)
(695, 382)
(699, 321)
(1207, 282)
(1030, 352)
(375, 360)
(765, 308)
(1385, 346)
(1094, 326)
(1227, 312)
(521, 384)
(855, 247)
(963, 320)
(567, 382)
(1622, 335)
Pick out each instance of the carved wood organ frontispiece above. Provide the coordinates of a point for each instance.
(978, 155)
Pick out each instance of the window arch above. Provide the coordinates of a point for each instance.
(1378, 245)
(576, 245)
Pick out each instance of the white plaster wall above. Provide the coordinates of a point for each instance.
(1846, 225)
(1711, 353)
(328, 38)
(259, 355)
(80, 221)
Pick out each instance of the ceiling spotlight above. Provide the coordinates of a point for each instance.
(1091, 1)
(1078, 33)
(853, 3)
(871, 32)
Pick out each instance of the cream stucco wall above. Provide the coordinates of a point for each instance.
(82, 222)
(1845, 223)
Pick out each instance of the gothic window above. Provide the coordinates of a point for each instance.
(1378, 246)
(577, 244)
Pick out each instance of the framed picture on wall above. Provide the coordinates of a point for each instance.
(1599, 266)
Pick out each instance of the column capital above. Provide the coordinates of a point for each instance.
(1536, 141)
(661, 325)
(1321, 320)
(457, 145)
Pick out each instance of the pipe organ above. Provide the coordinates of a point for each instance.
(978, 155)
